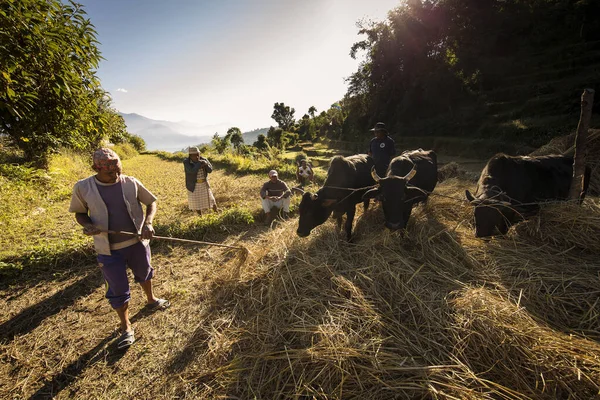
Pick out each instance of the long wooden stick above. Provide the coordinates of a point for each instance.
(577, 184)
(178, 240)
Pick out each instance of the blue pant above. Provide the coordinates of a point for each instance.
(114, 269)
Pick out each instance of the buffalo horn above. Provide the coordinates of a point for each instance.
(376, 177)
(411, 174)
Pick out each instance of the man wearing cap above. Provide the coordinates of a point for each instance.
(110, 202)
(275, 195)
(382, 148)
(197, 168)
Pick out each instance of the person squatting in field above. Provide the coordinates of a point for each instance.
(275, 194)
(304, 173)
(200, 197)
(111, 201)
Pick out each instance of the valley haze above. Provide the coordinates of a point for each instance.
(174, 136)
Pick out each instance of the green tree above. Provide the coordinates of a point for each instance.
(304, 127)
(220, 144)
(49, 94)
(284, 116)
(110, 123)
(235, 137)
(261, 142)
(276, 137)
(312, 111)
(137, 142)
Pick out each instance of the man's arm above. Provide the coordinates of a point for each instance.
(263, 191)
(286, 192)
(88, 226)
(148, 229)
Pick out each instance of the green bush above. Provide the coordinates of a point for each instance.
(125, 150)
(137, 142)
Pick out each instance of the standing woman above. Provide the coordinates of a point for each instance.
(197, 168)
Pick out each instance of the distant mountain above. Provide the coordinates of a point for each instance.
(168, 135)
(175, 136)
(251, 136)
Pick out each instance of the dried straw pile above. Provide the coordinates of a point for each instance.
(565, 145)
(435, 314)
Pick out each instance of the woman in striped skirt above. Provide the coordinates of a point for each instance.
(200, 197)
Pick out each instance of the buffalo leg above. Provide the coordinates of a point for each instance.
(338, 220)
(406, 215)
(349, 219)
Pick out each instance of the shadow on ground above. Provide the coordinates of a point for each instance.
(103, 351)
(30, 318)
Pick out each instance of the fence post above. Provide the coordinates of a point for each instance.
(587, 101)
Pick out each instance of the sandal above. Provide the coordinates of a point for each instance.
(160, 304)
(126, 339)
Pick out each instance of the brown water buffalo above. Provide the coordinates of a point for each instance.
(351, 172)
(509, 184)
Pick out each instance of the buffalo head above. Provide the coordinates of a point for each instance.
(395, 198)
(313, 211)
(491, 214)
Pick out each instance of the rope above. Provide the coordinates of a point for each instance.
(352, 190)
(462, 200)
(498, 194)
(177, 240)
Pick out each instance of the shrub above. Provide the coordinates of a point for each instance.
(137, 142)
(125, 150)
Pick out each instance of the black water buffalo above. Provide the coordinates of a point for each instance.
(410, 178)
(509, 184)
(350, 172)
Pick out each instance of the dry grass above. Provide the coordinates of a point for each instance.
(435, 313)
(565, 144)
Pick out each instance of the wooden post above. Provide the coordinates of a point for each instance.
(587, 101)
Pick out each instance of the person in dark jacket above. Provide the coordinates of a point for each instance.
(200, 197)
(382, 148)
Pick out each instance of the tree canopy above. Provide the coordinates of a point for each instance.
(234, 135)
(50, 96)
(283, 115)
(430, 57)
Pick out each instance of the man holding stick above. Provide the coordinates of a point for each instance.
(112, 202)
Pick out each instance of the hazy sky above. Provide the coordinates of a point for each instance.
(227, 61)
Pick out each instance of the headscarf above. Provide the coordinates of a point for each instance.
(106, 160)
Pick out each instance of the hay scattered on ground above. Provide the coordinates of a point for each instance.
(454, 170)
(430, 313)
(566, 145)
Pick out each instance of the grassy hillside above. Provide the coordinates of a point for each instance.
(522, 113)
(433, 313)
